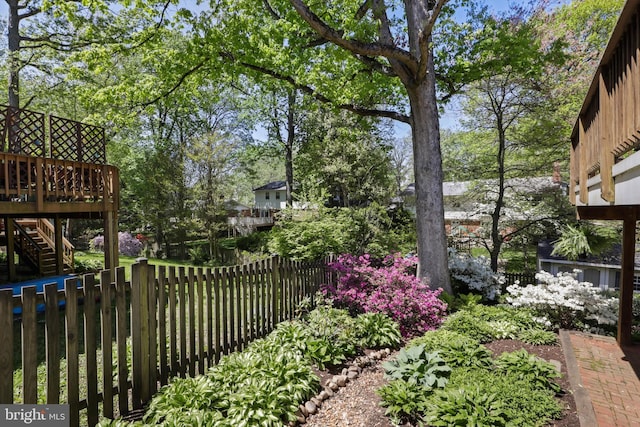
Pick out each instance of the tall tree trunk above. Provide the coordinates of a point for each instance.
(291, 133)
(496, 238)
(13, 31)
(427, 165)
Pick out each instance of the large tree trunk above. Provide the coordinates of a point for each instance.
(427, 164)
(13, 36)
(291, 134)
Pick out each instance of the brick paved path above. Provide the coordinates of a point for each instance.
(611, 378)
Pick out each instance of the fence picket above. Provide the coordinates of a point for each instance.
(209, 291)
(216, 314)
(121, 341)
(6, 349)
(173, 348)
(183, 322)
(200, 290)
(192, 322)
(224, 287)
(52, 332)
(162, 324)
(107, 337)
(90, 348)
(71, 331)
(29, 346)
(152, 329)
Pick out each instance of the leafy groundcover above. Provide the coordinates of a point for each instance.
(449, 378)
(265, 384)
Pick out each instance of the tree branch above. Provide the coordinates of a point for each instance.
(178, 83)
(425, 35)
(320, 97)
(355, 46)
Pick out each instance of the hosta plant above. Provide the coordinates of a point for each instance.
(404, 401)
(415, 366)
(470, 406)
(456, 349)
(538, 337)
(376, 330)
(529, 367)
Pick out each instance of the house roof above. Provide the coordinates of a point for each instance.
(459, 188)
(275, 185)
(611, 257)
(233, 205)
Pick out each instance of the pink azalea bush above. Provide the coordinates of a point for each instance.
(389, 287)
(127, 244)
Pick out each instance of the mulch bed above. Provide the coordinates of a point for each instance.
(358, 405)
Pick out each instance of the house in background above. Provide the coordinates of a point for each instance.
(603, 270)
(271, 196)
(468, 207)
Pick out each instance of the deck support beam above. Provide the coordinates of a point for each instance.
(629, 215)
(57, 229)
(625, 318)
(111, 241)
(9, 230)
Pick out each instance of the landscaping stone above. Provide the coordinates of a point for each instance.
(340, 380)
(303, 411)
(311, 407)
(351, 375)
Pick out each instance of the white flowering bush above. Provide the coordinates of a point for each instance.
(565, 302)
(474, 275)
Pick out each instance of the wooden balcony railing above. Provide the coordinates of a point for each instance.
(24, 132)
(608, 127)
(36, 179)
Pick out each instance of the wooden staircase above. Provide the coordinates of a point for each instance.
(35, 243)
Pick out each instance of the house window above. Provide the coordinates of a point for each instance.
(266, 195)
(636, 282)
(277, 195)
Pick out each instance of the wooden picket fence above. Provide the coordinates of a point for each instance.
(178, 321)
(523, 278)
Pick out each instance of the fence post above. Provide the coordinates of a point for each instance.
(141, 391)
(275, 290)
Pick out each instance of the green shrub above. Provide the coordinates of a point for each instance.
(488, 323)
(465, 323)
(87, 265)
(531, 368)
(376, 330)
(470, 406)
(415, 366)
(538, 337)
(332, 336)
(514, 401)
(404, 401)
(456, 349)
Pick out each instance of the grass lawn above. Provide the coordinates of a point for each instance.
(128, 261)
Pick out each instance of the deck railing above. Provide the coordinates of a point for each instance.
(609, 124)
(109, 357)
(36, 179)
(24, 132)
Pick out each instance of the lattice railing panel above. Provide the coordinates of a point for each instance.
(22, 132)
(76, 141)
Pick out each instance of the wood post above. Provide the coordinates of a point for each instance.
(110, 240)
(9, 231)
(141, 391)
(59, 246)
(625, 318)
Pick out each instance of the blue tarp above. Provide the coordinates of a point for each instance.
(39, 284)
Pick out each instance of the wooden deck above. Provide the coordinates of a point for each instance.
(54, 168)
(605, 149)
